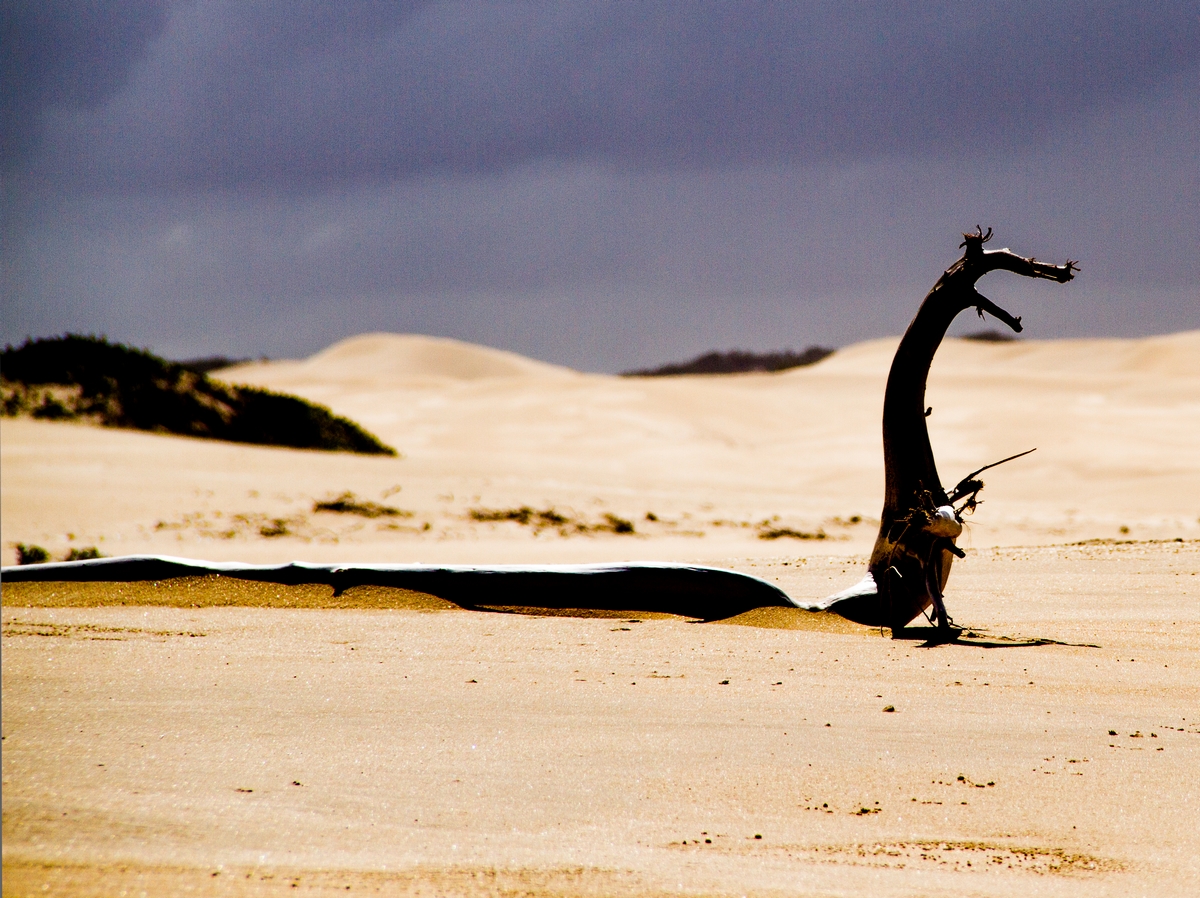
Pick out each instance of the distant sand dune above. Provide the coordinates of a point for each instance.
(375, 359)
(1115, 422)
(1169, 355)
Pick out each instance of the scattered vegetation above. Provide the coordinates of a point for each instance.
(239, 525)
(964, 856)
(19, 627)
(31, 554)
(551, 519)
(37, 555)
(569, 524)
(85, 554)
(77, 377)
(248, 525)
(523, 515)
(348, 503)
(618, 525)
(274, 527)
(766, 531)
(737, 362)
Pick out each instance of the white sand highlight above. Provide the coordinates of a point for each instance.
(551, 773)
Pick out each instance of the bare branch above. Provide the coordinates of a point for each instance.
(983, 304)
(1004, 260)
(978, 237)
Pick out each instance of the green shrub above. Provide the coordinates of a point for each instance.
(84, 554)
(31, 554)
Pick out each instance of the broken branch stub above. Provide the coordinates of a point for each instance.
(915, 547)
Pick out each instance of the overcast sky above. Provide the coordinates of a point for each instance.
(603, 185)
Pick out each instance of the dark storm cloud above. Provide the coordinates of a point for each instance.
(300, 96)
(67, 54)
(607, 185)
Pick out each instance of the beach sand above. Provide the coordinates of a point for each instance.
(210, 736)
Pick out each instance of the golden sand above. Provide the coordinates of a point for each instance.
(212, 736)
(214, 590)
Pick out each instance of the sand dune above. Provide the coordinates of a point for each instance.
(1167, 355)
(370, 360)
(1116, 424)
(252, 739)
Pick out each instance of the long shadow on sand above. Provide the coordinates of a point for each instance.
(933, 637)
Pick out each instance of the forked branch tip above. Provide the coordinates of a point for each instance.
(978, 236)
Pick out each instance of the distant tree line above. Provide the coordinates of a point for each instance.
(209, 363)
(86, 377)
(737, 361)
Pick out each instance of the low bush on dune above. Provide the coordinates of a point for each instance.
(31, 554)
(87, 553)
(38, 555)
(74, 377)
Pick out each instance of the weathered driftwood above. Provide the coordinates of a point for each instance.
(908, 567)
(921, 521)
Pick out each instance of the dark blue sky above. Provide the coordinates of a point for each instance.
(604, 185)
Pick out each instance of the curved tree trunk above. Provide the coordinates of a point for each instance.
(915, 547)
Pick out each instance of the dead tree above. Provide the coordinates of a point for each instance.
(920, 521)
